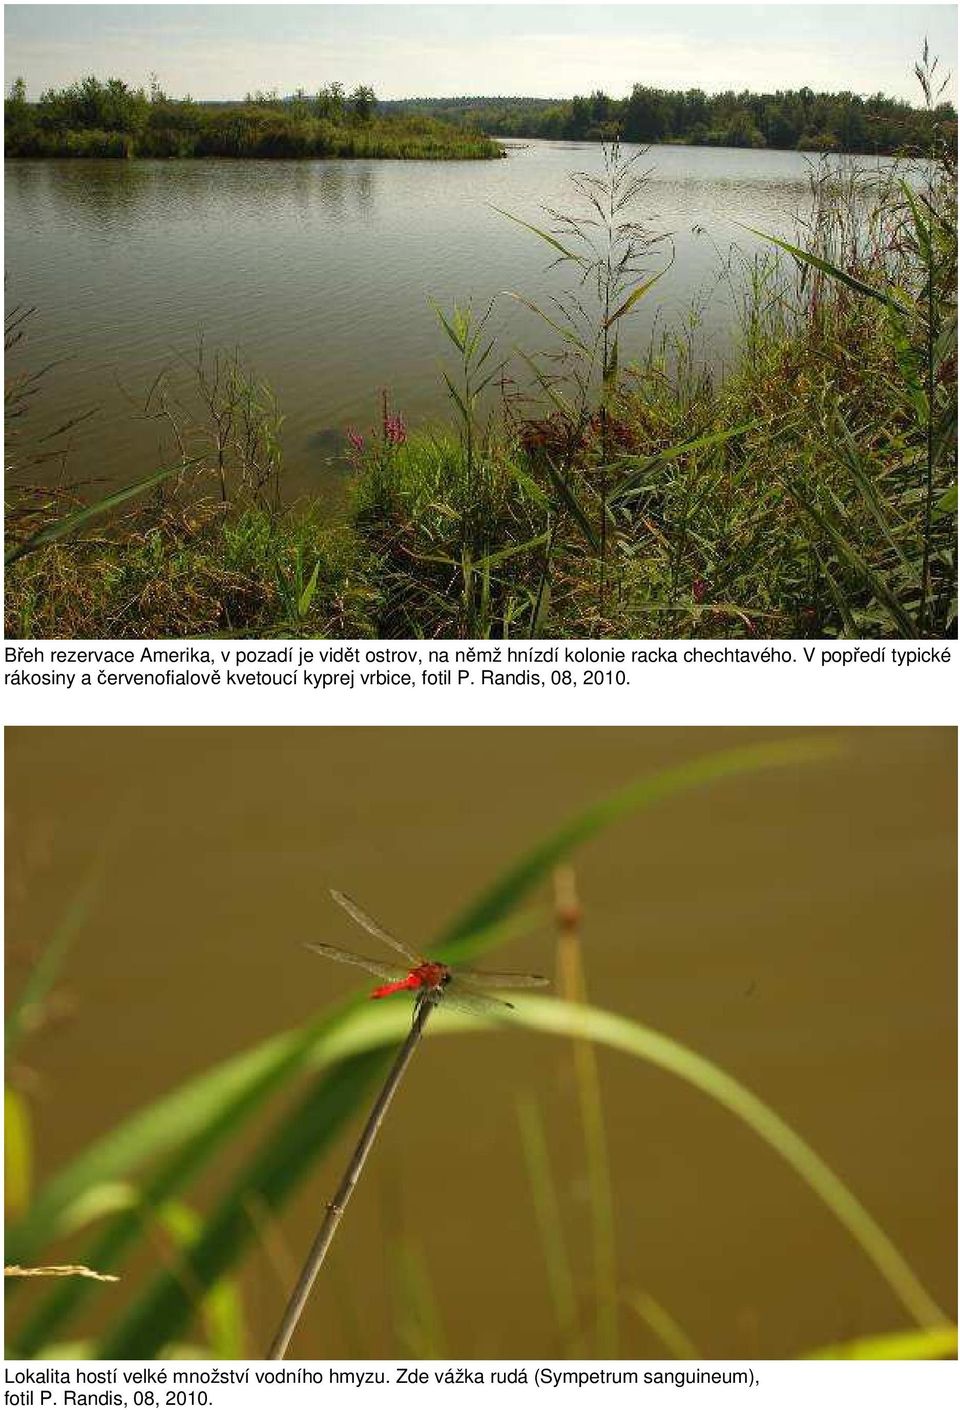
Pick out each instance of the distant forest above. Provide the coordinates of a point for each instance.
(108, 118)
(798, 119)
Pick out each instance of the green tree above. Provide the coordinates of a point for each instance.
(330, 102)
(363, 101)
(644, 118)
(741, 131)
(578, 121)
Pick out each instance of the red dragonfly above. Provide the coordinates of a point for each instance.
(428, 979)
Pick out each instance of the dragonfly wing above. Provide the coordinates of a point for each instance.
(496, 980)
(456, 996)
(372, 928)
(382, 971)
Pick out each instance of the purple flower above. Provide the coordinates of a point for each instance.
(355, 438)
(394, 430)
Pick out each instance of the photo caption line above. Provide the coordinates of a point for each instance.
(321, 668)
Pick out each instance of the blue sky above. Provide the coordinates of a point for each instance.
(224, 51)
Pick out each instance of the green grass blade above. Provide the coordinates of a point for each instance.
(929, 1344)
(160, 1315)
(648, 463)
(615, 1031)
(197, 1121)
(567, 334)
(458, 399)
(307, 596)
(946, 504)
(854, 560)
(546, 1208)
(664, 1327)
(17, 1153)
(492, 560)
(543, 235)
(165, 1125)
(53, 532)
(571, 503)
(225, 1323)
(72, 920)
(456, 337)
(805, 257)
(633, 299)
(848, 454)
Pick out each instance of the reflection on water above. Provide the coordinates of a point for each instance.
(797, 928)
(323, 272)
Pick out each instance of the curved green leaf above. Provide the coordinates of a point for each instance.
(805, 257)
(289, 1152)
(543, 234)
(634, 298)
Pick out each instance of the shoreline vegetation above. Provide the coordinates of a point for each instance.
(794, 120)
(94, 118)
(811, 493)
(108, 118)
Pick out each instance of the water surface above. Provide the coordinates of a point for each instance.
(323, 274)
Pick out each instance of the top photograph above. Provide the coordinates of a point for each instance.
(480, 321)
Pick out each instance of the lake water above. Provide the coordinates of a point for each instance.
(323, 273)
(797, 927)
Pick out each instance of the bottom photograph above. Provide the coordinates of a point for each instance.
(612, 1043)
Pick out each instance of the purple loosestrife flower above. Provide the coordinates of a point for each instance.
(394, 430)
(355, 438)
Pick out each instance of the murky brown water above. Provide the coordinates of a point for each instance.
(797, 928)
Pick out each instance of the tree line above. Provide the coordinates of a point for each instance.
(108, 118)
(795, 119)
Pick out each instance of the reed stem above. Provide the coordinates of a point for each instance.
(335, 1209)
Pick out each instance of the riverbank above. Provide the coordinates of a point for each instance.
(811, 493)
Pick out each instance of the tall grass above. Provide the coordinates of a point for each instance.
(811, 493)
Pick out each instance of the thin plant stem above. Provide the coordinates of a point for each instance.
(572, 986)
(547, 1211)
(335, 1209)
(931, 393)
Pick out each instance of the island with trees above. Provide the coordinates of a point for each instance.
(108, 118)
